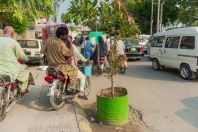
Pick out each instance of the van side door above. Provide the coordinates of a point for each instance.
(188, 52)
(170, 51)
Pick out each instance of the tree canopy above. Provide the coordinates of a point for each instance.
(106, 15)
(174, 11)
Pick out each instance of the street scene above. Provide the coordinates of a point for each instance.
(99, 66)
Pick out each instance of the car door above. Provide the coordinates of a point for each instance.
(157, 47)
(170, 51)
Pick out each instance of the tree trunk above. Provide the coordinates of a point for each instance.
(112, 69)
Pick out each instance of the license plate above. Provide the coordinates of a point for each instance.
(133, 49)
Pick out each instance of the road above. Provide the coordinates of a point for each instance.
(34, 113)
(167, 102)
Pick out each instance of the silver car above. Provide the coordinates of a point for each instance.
(32, 49)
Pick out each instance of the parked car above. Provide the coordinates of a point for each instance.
(32, 49)
(176, 48)
(143, 39)
(133, 49)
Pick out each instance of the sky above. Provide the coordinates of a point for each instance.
(62, 9)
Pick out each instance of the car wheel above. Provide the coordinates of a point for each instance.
(185, 72)
(156, 64)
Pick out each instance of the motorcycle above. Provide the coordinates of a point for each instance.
(123, 66)
(9, 94)
(58, 92)
(100, 67)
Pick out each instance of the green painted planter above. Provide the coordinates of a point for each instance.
(113, 111)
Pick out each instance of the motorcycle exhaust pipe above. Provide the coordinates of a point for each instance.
(66, 97)
(9, 107)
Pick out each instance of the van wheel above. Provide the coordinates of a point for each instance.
(185, 72)
(156, 64)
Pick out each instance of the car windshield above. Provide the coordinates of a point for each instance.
(130, 42)
(144, 39)
(28, 43)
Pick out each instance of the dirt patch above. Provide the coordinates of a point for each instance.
(135, 124)
(119, 91)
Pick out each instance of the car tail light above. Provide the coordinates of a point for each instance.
(49, 79)
(142, 48)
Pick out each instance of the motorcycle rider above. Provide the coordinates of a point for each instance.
(120, 49)
(58, 55)
(10, 55)
(76, 57)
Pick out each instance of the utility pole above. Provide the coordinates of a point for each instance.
(158, 17)
(161, 14)
(151, 26)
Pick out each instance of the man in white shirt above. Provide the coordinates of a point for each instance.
(78, 56)
(120, 49)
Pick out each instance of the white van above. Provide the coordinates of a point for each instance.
(32, 49)
(176, 48)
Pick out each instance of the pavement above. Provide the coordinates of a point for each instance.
(34, 112)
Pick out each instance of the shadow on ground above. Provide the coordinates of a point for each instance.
(145, 71)
(189, 114)
(37, 99)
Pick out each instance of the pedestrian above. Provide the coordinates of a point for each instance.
(88, 48)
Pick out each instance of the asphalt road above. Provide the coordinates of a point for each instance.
(167, 102)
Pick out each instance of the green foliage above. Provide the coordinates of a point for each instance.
(141, 11)
(188, 12)
(107, 16)
(19, 22)
(81, 12)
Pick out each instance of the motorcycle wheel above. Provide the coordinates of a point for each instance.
(2, 106)
(55, 99)
(122, 70)
(87, 86)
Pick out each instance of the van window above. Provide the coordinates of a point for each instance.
(157, 41)
(187, 42)
(172, 42)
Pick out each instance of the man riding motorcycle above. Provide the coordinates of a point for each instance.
(10, 55)
(58, 55)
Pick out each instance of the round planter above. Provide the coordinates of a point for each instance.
(113, 111)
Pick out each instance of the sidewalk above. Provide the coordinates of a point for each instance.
(35, 114)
